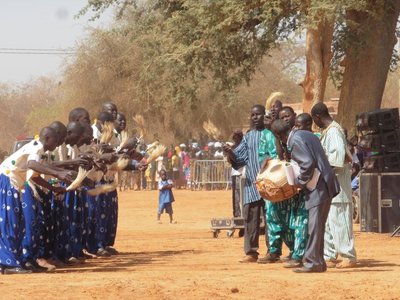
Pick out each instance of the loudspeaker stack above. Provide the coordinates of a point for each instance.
(379, 132)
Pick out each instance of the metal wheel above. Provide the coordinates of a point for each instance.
(215, 234)
(230, 233)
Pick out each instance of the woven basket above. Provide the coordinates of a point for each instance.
(272, 183)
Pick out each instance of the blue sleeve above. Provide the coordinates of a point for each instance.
(241, 153)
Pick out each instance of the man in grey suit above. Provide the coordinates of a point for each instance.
(307, 152)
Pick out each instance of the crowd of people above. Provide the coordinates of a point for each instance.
(178, 161)
(316, 223)
(58, 198)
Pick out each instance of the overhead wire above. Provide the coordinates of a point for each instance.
(40, 51)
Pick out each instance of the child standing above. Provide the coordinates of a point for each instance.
(166, 197)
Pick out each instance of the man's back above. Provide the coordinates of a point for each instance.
(334, 144)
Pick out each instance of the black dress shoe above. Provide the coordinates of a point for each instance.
(307, 270)
(6, 271)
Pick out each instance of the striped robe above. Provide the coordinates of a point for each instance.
(246, 154)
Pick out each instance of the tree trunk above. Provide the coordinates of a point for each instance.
(366, 67)
(318, 58)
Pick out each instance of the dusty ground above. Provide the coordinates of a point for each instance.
(163, 261)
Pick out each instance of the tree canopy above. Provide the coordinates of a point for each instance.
(190, 40)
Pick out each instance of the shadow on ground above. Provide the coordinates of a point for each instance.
(124, 261)
(371, 265)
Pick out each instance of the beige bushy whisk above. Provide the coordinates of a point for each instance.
(107, 132)
(212, 130)
(156, 152)
(82, 173)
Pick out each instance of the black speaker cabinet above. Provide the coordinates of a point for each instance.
(384, 142)
(382, 163)
(380, 202)
(378, 120)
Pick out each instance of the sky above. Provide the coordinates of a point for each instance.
(41, 24)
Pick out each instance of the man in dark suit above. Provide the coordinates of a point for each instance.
(307, 152)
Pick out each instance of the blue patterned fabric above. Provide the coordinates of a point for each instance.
(60, 232)
(102, 219)
(246, 154)
(75, 207)
(68, 227)
(46, 223)
(113, 218)
(89, 236)
(34, 241)
(11, 224)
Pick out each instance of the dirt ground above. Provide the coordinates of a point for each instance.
(183, 260)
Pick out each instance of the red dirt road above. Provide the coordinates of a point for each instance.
(164, 261)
